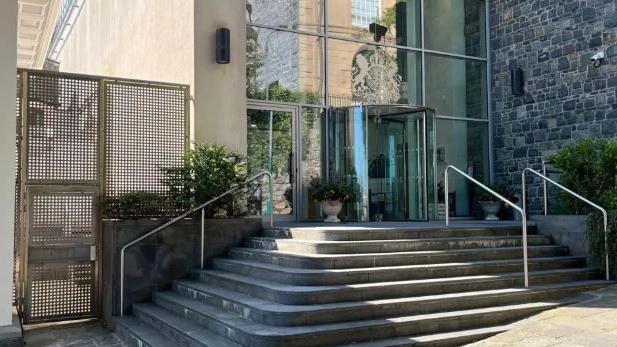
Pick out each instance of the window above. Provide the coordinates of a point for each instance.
(364, 12)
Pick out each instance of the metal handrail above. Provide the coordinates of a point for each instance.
(495, 194)
(604, 214)
(186, 214)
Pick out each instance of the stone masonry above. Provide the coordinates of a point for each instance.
(566, 97)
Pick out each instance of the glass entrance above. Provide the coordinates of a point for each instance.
(388, 153)
(271, 146)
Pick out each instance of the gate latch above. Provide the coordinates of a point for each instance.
(93, 252)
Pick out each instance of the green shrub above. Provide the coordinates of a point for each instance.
(336, 188)
(138, 204)
(588, 167)
(207, 171)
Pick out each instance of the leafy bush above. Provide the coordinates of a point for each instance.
(138, 204)
(336, 188)
(588, 167)
(207, 171)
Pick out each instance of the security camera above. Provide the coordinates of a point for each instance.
(597, 58)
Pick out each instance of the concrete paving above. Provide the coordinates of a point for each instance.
(74, 334)
(592, 322)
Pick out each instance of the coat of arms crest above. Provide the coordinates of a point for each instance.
(375, 78)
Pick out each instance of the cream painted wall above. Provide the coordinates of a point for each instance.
(8, 66)
(220, 90)
(140, 39)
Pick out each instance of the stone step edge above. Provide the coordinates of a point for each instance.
(450, 338)
(232, 322)
(192, 331)
(325, 289)
(477, 263)
(273, 308)
(140, 331)
(395, 241)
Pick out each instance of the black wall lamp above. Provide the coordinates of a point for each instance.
(223, 48)
(517, 80)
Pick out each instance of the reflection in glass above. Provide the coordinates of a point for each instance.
(455, 26)
(394, 22)
(372, 74)
(270, 147)
(384, 150)
(283, 66)
(456, 87)
(464, 145)
(303, 15)
(311, 159)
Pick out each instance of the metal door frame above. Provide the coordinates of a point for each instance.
(296, 145)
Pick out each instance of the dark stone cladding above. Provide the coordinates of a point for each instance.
(566, 98)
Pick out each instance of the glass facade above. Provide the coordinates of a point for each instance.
(318, 54)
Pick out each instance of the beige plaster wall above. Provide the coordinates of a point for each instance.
(8, 66)
(220, 90)
(140, 39)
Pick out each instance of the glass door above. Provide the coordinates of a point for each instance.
(271, 146)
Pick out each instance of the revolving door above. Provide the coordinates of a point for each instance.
(388, 153)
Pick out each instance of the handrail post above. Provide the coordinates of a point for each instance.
(576, 195)
(545, 189)
(203, 236)
(446, 197)
(504, 200)
(271, 198)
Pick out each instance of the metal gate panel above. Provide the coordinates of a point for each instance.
(62, 129)
(145, 130)
(77, 137)
(62, 269)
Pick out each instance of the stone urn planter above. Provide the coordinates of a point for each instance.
(332, 208)
(490, 208)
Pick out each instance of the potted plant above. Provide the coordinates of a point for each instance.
(331, 194)
(491, 205)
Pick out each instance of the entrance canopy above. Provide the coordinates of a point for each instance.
(388, 152)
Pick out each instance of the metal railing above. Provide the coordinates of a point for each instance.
(545, 179)
(495, 194)
(203, 218)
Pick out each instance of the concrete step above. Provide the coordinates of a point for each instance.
(320, 277)
(270, 313)
(248, 333)
(345, 233)
(449, 339)
(138, 334)
(182, 330)
(381, 246)
(344, 261)
(307, 295)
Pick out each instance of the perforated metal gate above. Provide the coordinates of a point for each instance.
(80, 137)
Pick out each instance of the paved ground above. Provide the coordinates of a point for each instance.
(82, 334)
(591, 323)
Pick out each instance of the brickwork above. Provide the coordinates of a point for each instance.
(566, 98)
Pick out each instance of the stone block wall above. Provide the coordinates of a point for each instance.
(566, 97)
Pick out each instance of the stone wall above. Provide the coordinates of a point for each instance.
(566, 98)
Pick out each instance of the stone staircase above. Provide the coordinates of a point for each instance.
(362, 286)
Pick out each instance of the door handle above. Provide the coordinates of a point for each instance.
(290, 167)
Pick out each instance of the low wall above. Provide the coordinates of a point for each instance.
(566, 230)
(171, 254)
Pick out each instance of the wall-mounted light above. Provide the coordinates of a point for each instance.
(517, 80)
(223, 48)
(597, 58)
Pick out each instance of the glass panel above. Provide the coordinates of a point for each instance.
(283, 66)
(311, 159)
(390, 21)
(464, 145)
(347, 156)
(372, 74)
(456, 87)
(455, 26)
(305, 15)
(270, 147)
